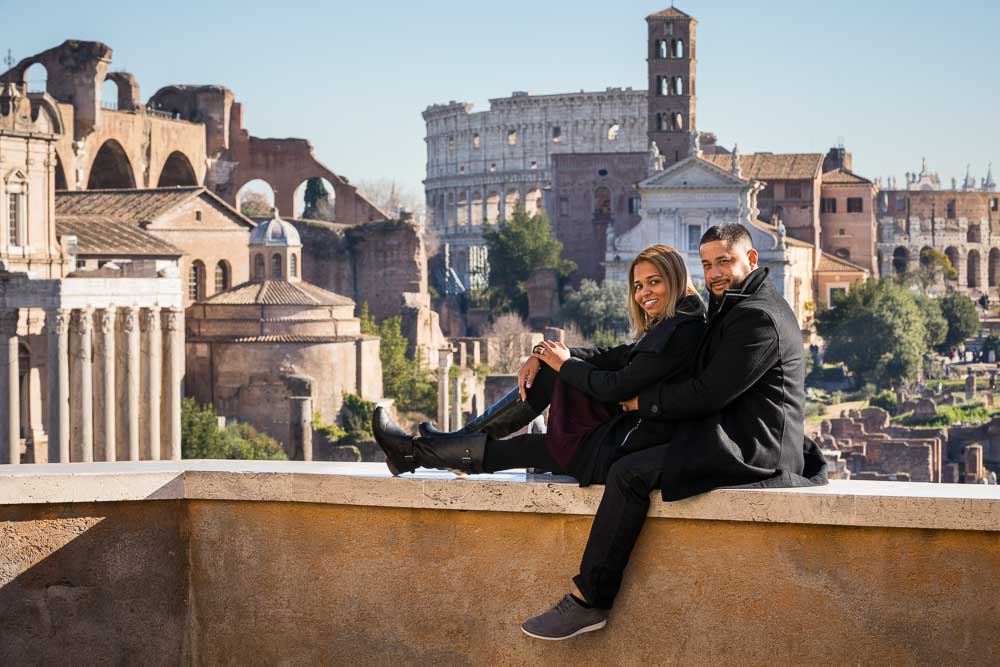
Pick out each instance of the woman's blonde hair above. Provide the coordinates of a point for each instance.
(670, 264)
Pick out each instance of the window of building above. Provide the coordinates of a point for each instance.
(828, 205)
(493, 166)
(556, 134)
(951, 209)
(461, 169)
(512, 137)
(663, 49)
(276, 272)
(475, 140)
(293, 266)
(534, 164)
(197, 216)
(793, 191)
(901, 204)
(855, 205)
(564, 206)
(613, 131)
(677, 121)
(602, 204)
(634, 205)
(694, 237)
(602, 172)
(14, 211)
(221, 277)
(841, 232)
(196, 281)
(994, 204)
(258, 267)
(661, 122)
(451, 144)
(679, 48)
(678, 85)
(664, 85)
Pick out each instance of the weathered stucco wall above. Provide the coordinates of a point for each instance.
(89, 584)
(221, 562)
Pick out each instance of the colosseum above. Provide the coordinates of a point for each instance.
(480, 165)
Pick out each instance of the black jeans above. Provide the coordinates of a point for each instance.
(619, 519)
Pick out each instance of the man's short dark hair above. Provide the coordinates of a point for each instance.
(733, 233)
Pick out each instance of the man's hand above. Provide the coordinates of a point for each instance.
(526, 375)
(552, 353)
(631, 405)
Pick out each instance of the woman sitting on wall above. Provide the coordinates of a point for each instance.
(587, 429)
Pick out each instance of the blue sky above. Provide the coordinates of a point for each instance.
(893, 80)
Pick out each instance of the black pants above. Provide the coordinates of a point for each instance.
(628, 483)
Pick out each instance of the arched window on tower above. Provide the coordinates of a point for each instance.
(661, 122)
(679, 48)
(276, 272)
(663, 49)
(293, 266)
(258, 267)
(221, 276)
(664, 86)
(676, 121)
(678, 85)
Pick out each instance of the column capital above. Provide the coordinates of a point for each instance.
(58, 320)
(83, 321)
(130, 317)
(150, 318)
(172, 318)
(106, 320)
(8, 321)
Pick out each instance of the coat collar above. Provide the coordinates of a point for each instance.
(721, 305)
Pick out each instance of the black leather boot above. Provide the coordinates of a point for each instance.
(461, 453)
(499, 420)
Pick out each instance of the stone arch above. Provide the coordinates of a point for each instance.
(925, 256)
(951, 252)
(462, 209)
(972, 269)
(196, 281)
(972, 235)
(177, 171)
(126, 91)
(35, 78)
(678, 48)
(223, 276)
(255, 198)
(533, 201)
(900, 259)
(60, 175)
(111, 168)
(993, 268)
(477, 208)
(493, 207)
(511, 202)
(315, 199)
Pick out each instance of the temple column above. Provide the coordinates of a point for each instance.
(153, 371)
(130, 381)
(83, 392)
(10, 382)
(173, 323)
(57, 323)
(444, 365)
(105, 359)
(456, 414)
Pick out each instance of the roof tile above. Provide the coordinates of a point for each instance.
(772, 166)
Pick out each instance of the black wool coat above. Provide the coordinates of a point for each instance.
(740, 417)
(666, 352)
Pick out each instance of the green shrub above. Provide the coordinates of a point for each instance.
(947, 415)
(201, 437)
(885, 400)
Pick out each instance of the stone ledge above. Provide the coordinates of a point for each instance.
(845, 503)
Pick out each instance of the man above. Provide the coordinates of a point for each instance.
(740, 424)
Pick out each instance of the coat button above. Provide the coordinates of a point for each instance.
(655, 409)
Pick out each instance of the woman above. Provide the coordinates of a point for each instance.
(588, 430)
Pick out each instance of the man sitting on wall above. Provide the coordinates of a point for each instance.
(740, 425)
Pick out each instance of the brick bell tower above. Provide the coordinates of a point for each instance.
(672, 100)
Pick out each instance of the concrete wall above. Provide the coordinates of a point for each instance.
(201, 562)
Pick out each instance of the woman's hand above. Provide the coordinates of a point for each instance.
(526, 375)
(551, 353)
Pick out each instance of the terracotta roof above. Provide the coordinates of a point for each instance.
(135, 206)
(773, 229)
(101, 235)
(832, 264)
(843, 176)
(670, 13)
(275, 339)
(278, 293)
(772, 166)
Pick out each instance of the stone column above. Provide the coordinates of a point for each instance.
(456, 413)
(10, 383)
(83, 391)
(444, 364)
(173, 324)
(105, 401)
(57, 323)
(300, 427)
(152, 378)
(131, 377)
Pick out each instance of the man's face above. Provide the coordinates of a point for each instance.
(726, 267)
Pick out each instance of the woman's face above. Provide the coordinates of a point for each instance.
(649, 289)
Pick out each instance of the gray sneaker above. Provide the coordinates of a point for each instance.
(567, 619)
